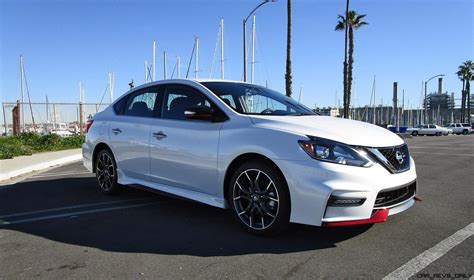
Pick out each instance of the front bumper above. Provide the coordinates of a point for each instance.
(311, 183)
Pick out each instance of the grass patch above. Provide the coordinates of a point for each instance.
(29, 143)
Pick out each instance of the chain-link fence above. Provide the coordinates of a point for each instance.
(47, 117)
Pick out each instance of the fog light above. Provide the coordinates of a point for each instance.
(337, 201)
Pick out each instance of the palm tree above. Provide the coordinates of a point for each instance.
(466, 74)
(288, 76)
(352, 21)
(461, 73)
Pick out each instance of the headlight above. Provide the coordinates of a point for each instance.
(335, 152)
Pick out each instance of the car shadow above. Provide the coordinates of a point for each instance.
(166, 225)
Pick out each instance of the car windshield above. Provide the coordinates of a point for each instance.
(257, 100)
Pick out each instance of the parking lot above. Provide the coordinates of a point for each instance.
(57, 224)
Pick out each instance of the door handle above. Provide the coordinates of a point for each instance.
(116, 131)
(159, 135)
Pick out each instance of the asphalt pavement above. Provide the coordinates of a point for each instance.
(57, 225)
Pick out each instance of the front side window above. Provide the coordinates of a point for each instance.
(178, 98)
(141, 104)
(256, 100)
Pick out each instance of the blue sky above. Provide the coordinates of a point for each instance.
(64, 42)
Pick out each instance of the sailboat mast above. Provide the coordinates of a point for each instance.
(373, 90)
(153, 63)
(164, 65)
(196, 62)
(301, 92)
(47, 109)
(22, 94)
(178, 65)
(252, 63)
(222, 49)
(146, 71)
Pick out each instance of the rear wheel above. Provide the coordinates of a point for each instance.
(106, 172)
(414, 133)
(464, 132)
(259, 198)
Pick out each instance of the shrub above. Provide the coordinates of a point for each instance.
(28, 143)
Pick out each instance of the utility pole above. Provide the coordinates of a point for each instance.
(222, 49)
(252, 63)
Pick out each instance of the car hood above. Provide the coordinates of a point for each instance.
(342, 130)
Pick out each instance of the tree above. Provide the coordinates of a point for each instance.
(352, 21)
(466, 74)
(288, 75)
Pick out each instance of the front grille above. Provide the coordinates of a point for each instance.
(395, 196)
(395, 159)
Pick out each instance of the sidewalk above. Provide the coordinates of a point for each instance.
(17, 166)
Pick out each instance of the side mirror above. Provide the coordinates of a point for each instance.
(203, 113)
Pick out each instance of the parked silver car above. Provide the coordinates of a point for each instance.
(428, 129)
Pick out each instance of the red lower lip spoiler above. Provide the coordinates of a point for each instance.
(378, 217)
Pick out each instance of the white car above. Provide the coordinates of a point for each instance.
(460, 128)
(428, 129)
(268, 158)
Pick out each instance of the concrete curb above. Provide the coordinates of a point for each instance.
(39, 166)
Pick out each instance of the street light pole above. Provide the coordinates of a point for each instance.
(244, 29)
(426, 104)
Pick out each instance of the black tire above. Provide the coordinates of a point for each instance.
(259, 199)
(464, 132)
(438, 133)
(106, 172)
(414, 133)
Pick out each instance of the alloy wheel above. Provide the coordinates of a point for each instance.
(256, 199)
(105, 171)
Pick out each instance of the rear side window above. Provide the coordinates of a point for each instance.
(466, 125)
(119, 105)
(141, 105)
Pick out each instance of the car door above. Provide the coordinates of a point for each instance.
(423, 129)
(183, 152)
(458, 128)
(129, 133)
(432, 129)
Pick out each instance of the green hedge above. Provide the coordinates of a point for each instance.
(29, 143)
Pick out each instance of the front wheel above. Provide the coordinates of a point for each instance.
(464, 132)
(414, 133)
(106, 172)
(259, 198)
